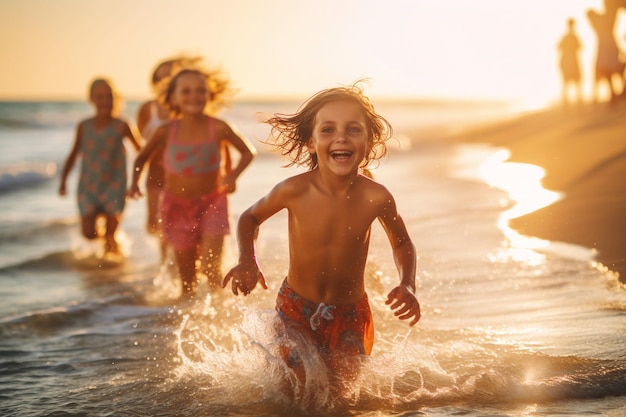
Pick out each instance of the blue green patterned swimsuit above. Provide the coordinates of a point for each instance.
(102, 182)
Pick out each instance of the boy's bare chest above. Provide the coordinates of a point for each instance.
(333, 219)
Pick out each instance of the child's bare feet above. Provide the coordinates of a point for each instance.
(111, 246)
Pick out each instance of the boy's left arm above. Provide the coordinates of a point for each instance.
(402, 298)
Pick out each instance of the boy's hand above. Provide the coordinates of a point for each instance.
(405, 303)
(244, 278)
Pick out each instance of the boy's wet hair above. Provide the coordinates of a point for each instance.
(291, 132)
(218, 86)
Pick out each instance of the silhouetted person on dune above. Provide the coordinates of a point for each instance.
(569, 47)
(612, 7)
(608, 65)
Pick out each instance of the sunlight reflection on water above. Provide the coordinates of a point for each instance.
(522, 182)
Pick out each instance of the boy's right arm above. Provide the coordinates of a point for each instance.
(247, 273)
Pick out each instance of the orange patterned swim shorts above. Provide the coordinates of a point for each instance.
(347, 330)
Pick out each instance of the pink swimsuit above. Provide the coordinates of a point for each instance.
(192, 158)
(185, 220)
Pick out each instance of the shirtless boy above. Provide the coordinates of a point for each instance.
(331, 209)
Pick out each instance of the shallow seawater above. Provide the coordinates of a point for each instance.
(507, 330)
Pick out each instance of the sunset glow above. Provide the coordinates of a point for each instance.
(409, 49)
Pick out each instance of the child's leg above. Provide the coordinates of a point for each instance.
(112, 223)
(211, 258)
(88, 225)
(153, 222)
(186, 261)
(294, 362)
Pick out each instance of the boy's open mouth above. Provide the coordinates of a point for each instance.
(341, 154)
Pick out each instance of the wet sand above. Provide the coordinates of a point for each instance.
(583, 152)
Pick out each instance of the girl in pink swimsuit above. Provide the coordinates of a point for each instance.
(150, 116)
(194, 205)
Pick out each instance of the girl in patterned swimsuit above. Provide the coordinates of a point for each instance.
(194, 210)
(102, 181)
(331, 208)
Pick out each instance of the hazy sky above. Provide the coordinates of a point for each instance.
(408, 48)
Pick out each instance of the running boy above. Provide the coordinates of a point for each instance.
(331, 209)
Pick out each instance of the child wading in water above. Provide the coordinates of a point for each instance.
(331, 209)
(150, 116)
(102, 181)
(194, 209)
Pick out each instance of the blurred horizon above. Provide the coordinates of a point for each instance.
(295, 99)
(450, 50)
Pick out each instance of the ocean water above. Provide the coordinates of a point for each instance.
(511, 326)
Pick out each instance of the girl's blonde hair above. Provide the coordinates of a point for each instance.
(158, 83)
(117, 98)
(217, 83)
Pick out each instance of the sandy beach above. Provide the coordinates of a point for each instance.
(583, 151)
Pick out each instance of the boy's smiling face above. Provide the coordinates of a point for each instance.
(340, 137)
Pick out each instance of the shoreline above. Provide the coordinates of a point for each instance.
(583, 153)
